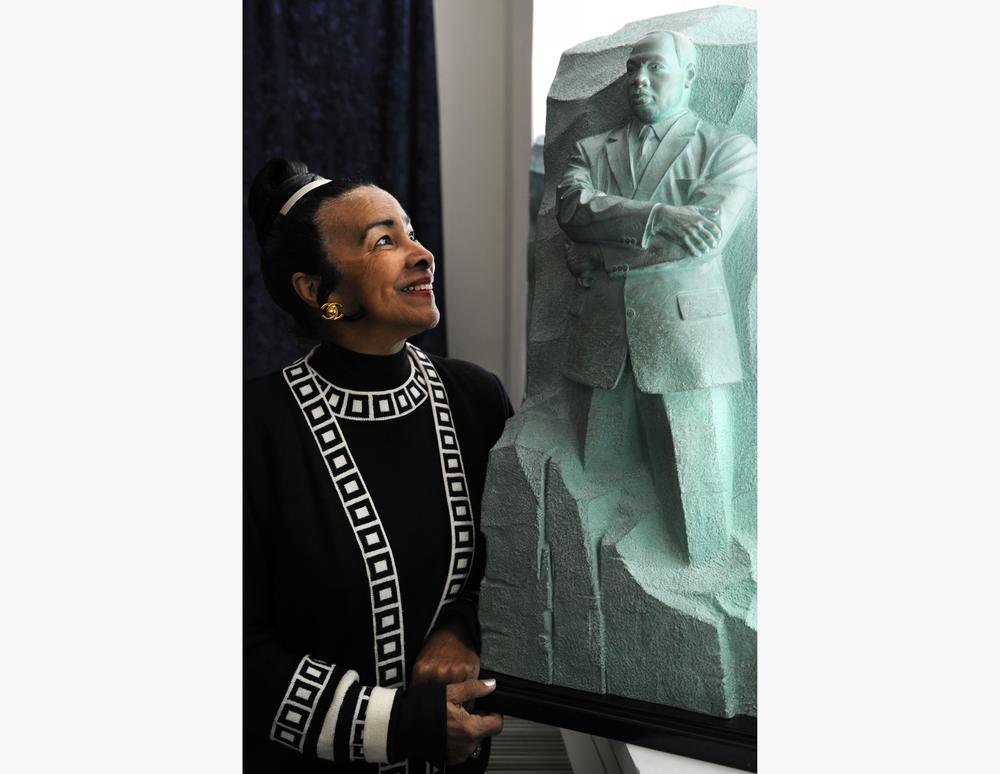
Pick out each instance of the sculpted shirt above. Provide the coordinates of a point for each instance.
(363, 477)
(659, 129)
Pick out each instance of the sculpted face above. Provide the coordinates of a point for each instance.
(659, 77)
(384, 269)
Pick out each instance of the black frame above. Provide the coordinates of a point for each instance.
(726, 741)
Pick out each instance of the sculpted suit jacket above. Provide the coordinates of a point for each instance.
(654, 301)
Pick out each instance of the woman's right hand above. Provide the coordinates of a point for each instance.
(465, 730)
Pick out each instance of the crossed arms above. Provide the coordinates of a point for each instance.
(656, 231)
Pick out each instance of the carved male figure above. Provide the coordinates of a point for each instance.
(649, 207)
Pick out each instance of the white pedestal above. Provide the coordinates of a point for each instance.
(596, 755)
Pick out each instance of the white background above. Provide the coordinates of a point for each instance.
(120, 548)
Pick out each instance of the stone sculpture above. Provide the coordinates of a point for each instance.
(620, 503)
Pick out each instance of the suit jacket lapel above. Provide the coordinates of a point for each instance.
(617, 149)
(666, 154)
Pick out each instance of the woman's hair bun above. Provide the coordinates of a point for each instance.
(277, 180)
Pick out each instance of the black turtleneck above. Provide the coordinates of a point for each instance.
(307, 589)
(358, 371)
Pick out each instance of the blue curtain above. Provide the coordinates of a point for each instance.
(350, 88)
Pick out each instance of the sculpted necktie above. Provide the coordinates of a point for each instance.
(647, 147)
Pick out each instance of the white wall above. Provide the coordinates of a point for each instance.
(483, 62)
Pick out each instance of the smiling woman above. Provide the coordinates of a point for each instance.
(386, 275)
(364, 469)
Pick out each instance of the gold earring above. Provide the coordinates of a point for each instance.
(332, 310)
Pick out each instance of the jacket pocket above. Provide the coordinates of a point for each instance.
(695, 305)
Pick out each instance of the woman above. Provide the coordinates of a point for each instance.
(364, 468)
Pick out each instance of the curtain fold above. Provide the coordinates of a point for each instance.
(350, 88)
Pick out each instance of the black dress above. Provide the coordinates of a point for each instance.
(363, 480)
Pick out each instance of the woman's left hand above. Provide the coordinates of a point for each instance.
(446, 657)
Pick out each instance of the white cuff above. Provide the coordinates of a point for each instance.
(324, 745)
(647, 232)
(376, 736)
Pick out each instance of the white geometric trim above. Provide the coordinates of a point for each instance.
(375, 406)
(357, 746)
(376, 733)
(362, 515)
(324, 745)
(296, 711)
(387, 621)
(456, 489)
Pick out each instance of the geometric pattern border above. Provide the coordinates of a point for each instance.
(357, 745)
(456, 490)
(372, 406)
(322, 403)
(383, 583)
(297, 709)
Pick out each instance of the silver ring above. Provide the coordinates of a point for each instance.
(475, 753)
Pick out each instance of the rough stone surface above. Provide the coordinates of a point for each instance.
(590, 582)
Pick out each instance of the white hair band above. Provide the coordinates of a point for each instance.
(302, 192)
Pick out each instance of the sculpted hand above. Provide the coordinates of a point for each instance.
(582, 260)
(466, 731)
(446, 657)
(691, 226)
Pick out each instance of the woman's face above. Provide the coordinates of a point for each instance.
(384, 269)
